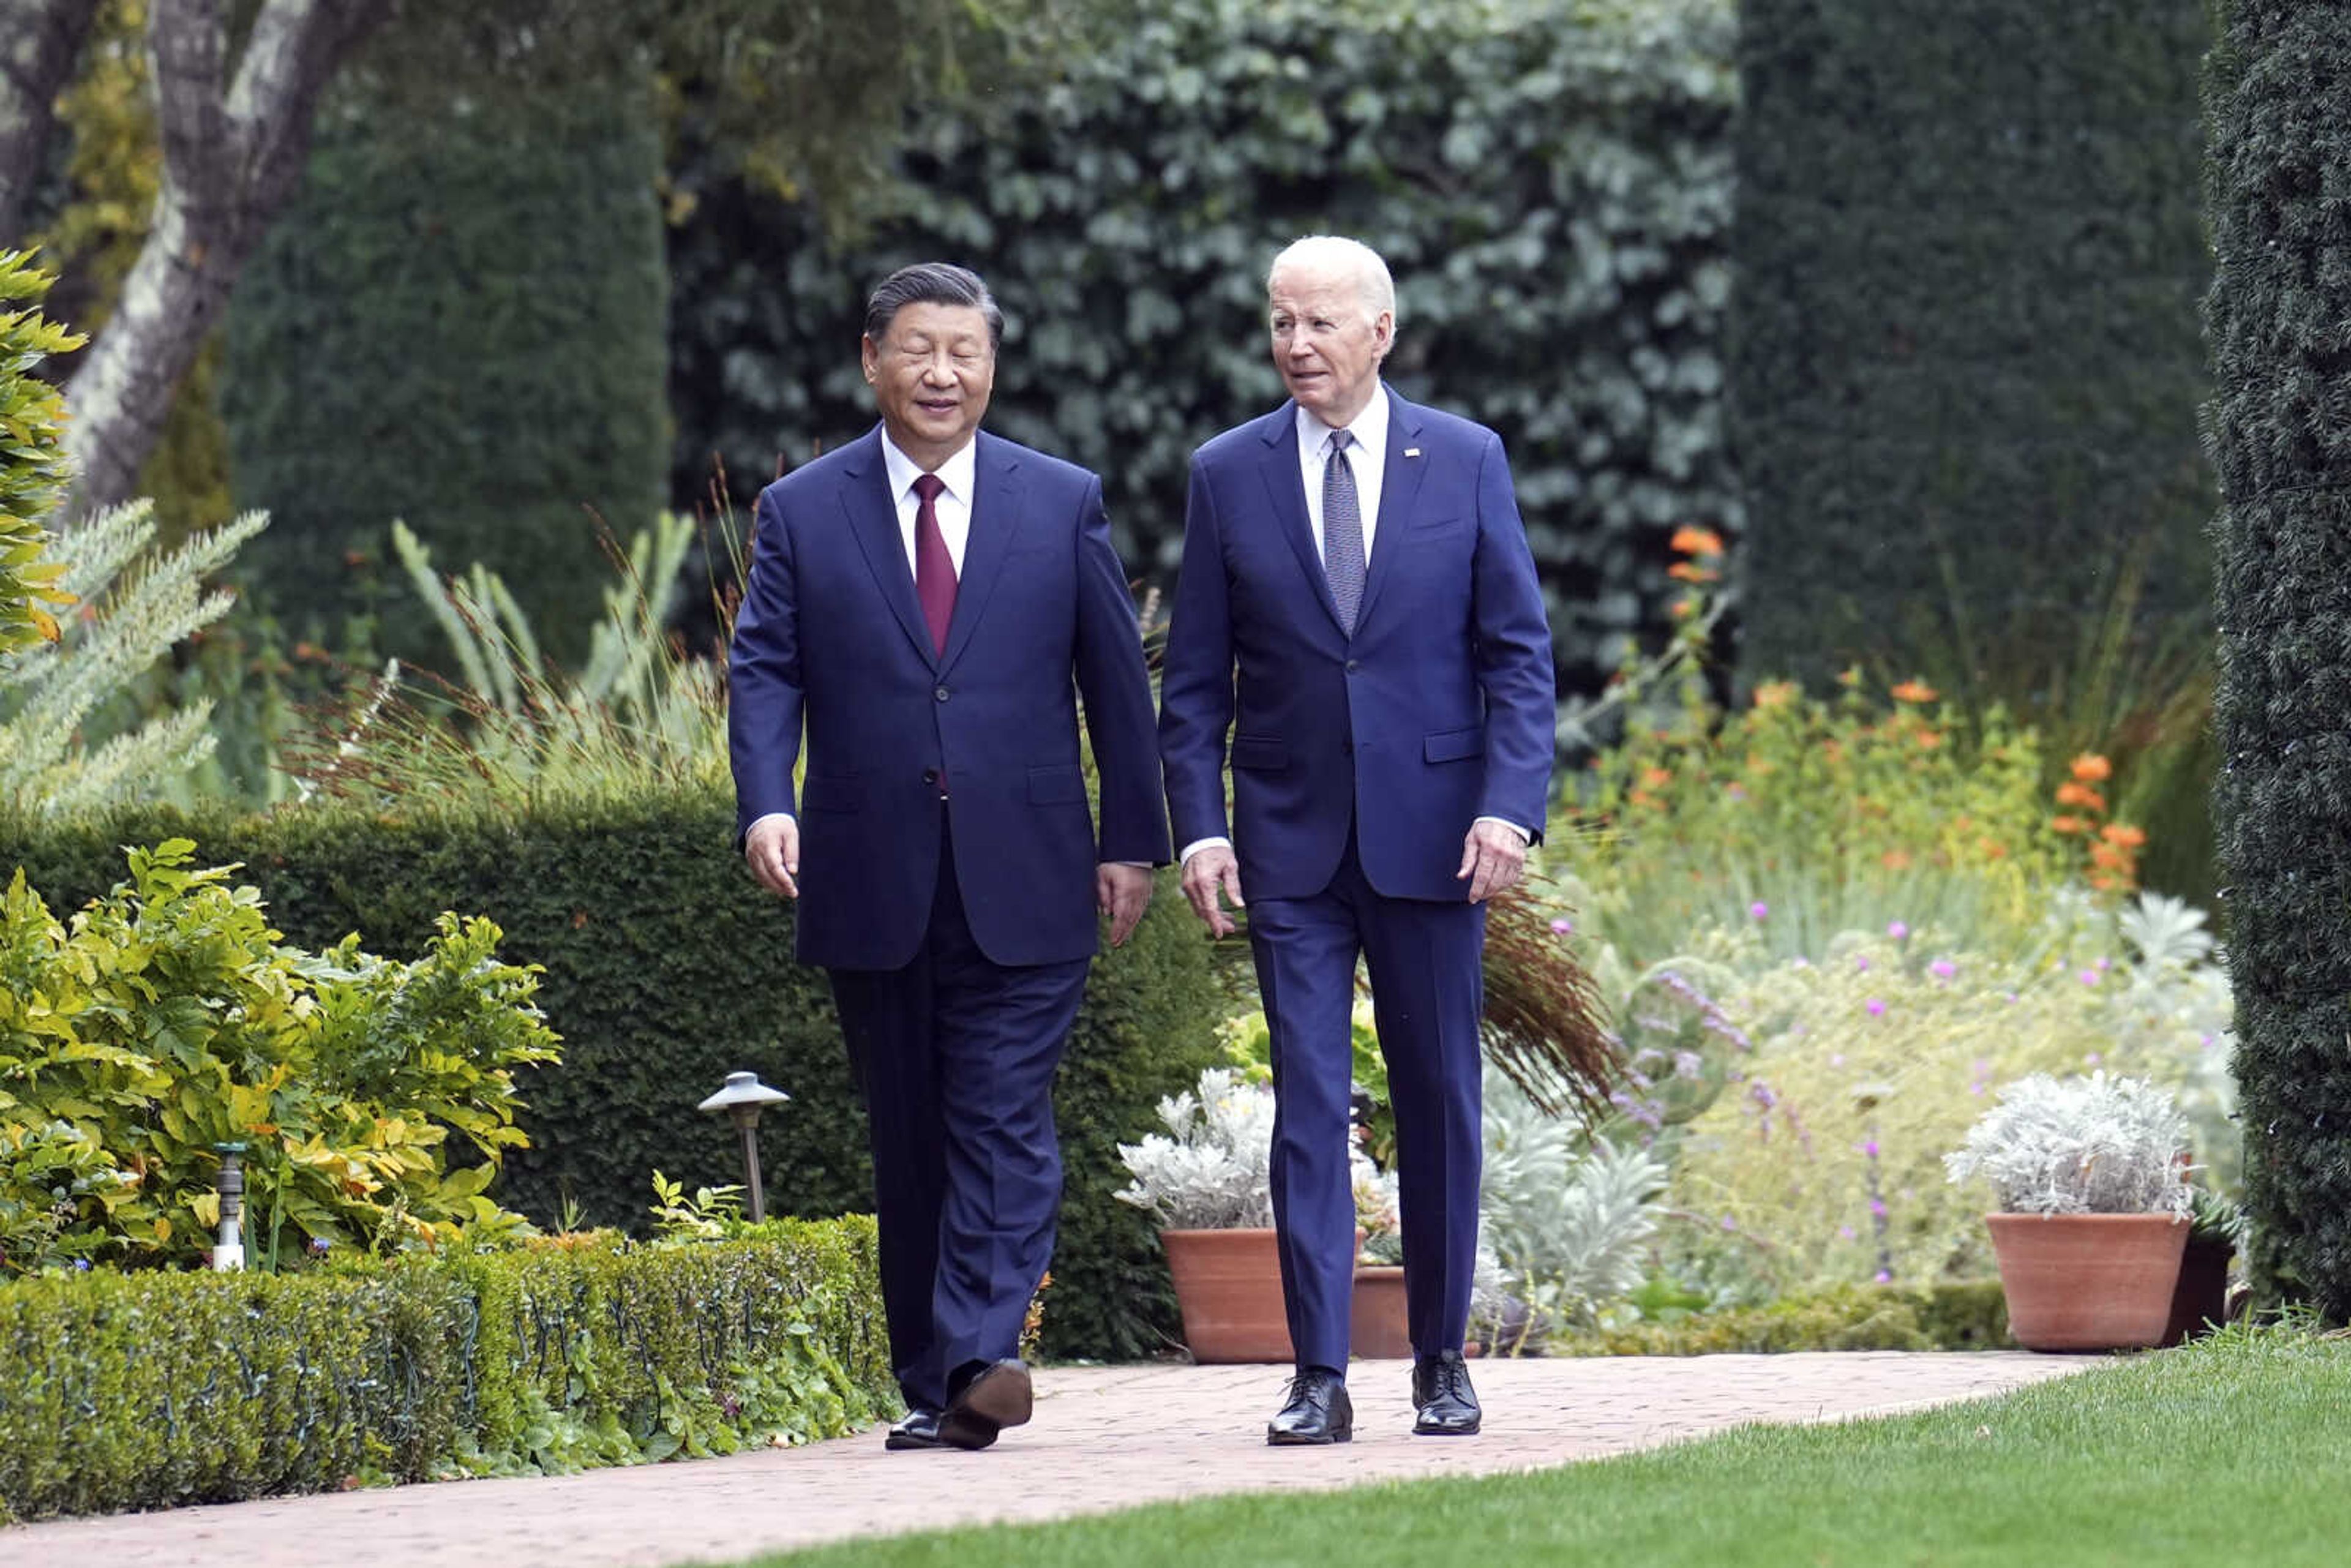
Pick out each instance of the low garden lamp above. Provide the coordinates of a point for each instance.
(742, 1099)
(228, 1247)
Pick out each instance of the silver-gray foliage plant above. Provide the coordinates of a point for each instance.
(1569, 1220)
(2080, 1145)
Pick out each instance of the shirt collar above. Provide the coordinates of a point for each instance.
(1370, 428)
(957, 473)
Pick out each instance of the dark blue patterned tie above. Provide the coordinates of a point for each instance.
(1342, 531)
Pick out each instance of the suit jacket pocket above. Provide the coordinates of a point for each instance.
(1261, 753)
(1454, 745)
(1056, 785)
(1438, 523)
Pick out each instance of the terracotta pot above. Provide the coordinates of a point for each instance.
(1228, 1284)
(1376, 1329)
(2088, 1282)
(2200, 1300)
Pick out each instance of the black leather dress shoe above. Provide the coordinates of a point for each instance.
(915, 1430)
(1318, 1411)
(996, 1396)
(1441, 1392)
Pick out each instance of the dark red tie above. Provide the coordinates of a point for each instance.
(934, 573)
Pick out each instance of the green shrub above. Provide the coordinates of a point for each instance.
(32, 454)
(1964, 357)
(459, 322)
(665, 967)
(1969, 1315)
(2281, 154)
(1552, 185)
(155, 1389)
(168, 1018)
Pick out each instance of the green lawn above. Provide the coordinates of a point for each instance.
(2237, 1451)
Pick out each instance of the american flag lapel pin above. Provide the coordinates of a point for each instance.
(1412, 452)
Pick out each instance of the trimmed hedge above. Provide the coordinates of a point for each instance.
(2281, 157)
(459, 323)
(1965, 363)
(667, 967)
(1972, 1316)
(153, 1390)
(1551, 185)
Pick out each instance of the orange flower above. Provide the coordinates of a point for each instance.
(1929, 739)
(1994, 850)
(2123, 835)
(2108, 856)
(1775, 694)
(1687, 572)
(1683, 609)
(1913, 691)
(2073, 794)
(1656, 776)
(2068, 824)
(1691, 541)
(2091, 768)
(1894, 859)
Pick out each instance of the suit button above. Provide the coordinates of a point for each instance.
(1354, 664)
(930, 775)
(941, 694)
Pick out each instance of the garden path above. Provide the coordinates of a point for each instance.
(1103, 1438)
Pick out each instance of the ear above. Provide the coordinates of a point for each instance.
(870, 357)
(1383, 333)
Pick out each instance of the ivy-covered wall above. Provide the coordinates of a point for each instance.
(2281, 157)
(458, 323)
(1551, 185)
(1965, 355)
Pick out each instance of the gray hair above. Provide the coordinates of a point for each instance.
(931, 283)
(1337, 253)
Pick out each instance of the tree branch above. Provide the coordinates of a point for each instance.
(40, 40)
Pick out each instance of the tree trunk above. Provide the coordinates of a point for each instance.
(232, 153)
(40, 42)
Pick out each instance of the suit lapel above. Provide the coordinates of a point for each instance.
(996, 490)
(1285, 485)
(1399, 489)
(873, 515)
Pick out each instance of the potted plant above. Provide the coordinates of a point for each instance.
(2216, 1229)
(1207, 1182)
(2093, 1207)
(1377, 1326)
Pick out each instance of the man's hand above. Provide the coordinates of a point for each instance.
(1493, 857)
(773, 847)
(1125, 893)
(1209, 873)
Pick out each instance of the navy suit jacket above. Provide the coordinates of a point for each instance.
(832, 637)
(1437, 711)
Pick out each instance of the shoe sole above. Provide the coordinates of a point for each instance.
(1292, 1440)
(1469, 1431)
(999, 1397)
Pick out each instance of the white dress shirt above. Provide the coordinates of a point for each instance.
(1367, 456)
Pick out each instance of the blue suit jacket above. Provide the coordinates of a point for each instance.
(1437, 711)
(832, 637)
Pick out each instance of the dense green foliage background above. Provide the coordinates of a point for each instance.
(1549, 183)
(459, 324)
(1965, 363)
(2281, 152)
(667, 967)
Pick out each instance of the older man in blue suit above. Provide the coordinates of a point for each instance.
(1358, 606)
(925, 604)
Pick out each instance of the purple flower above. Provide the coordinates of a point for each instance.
(1898, 931)
(1877, 1208)
(1760, 910)
(1942, 968)
(1729, 1223)
(82, 1265)
(1861, 960)
(2010, 995)
(1564, 926)
(1836, 1059)
(2089, 976)
(318, 1245)
(1870, 1148)
(2091, 1060)
(1845, 1231)
(1799, 962)
(1877, 1007)
(2104, 964)
(1884, 1278)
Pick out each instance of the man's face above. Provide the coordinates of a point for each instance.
(1327, 344)
(930, 375)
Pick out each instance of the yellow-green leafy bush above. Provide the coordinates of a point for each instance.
(167, 1017)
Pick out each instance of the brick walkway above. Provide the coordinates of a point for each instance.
(1103, 1438)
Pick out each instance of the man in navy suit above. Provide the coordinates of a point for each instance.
(1358, 605)
(925, 601)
